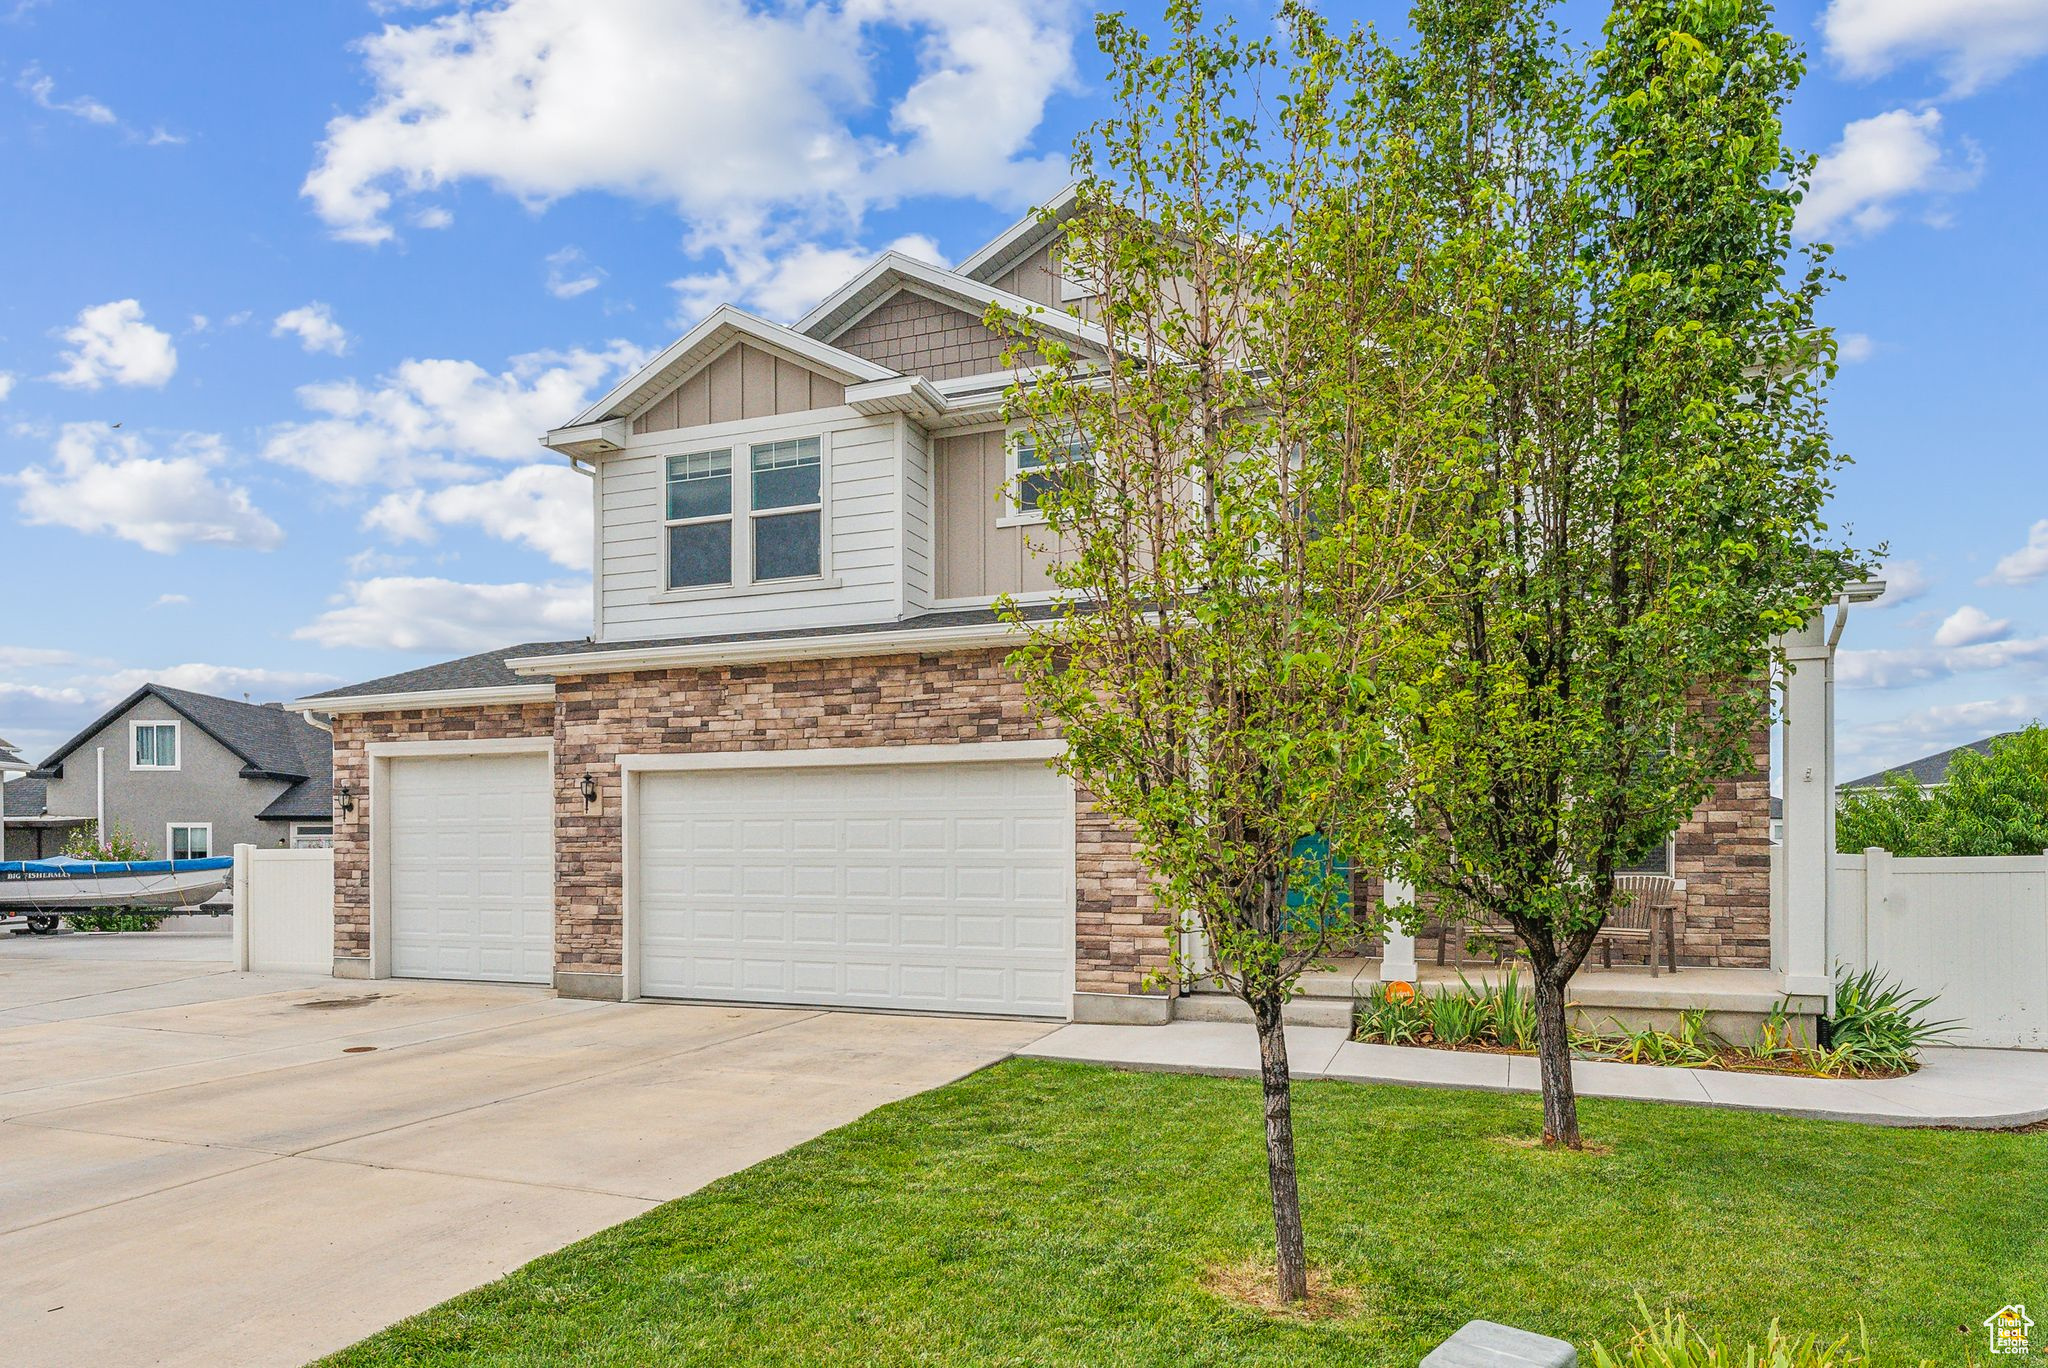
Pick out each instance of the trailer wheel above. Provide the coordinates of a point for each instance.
(42, 926)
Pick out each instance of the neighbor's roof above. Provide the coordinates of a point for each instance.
(1928, 770)
(27, 803)
(270, 742)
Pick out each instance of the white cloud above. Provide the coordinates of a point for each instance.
(1936, 728)
(222, 681)
(102, 481)
(439, 418)
(741, 117)
(6, 385)
(1904, 581)
(1851, 348)
(1904, 667)
(23, 657)
(1971, 626)
(545, 507)
(570, 273)
(432, 217)
(1973, 43)
(786, 284)
(1880, 161)
(313, 324)
(112, 342)
(424, 614)
(171, 600)
(2027, 564)
(43, 90)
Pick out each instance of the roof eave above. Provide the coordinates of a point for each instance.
(429, 698)
(822, 647)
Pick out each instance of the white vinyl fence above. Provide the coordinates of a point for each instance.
(284, 910)
(1973, 930)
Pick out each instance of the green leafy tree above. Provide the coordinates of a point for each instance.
(1642, 485)
(1238, 540)
(1993, 803)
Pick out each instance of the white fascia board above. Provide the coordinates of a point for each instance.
(429, 698)
(911, 394)
(1020, 237)
(585, 441)
(843, 757)
(893, 267)
(844, 364)
(833, 646)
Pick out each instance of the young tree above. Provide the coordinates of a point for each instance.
(1235, 541)
(1990, 803)
(1645, 481)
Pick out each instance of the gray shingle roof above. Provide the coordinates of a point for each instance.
(271, 743)
(1928, 769)
(488, 671)
(27, 803)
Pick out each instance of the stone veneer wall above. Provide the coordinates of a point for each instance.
(948, 698)
(353, 733)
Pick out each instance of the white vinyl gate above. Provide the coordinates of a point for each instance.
(284, 910)
(1973, 931)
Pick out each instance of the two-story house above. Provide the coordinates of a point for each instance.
(788, 765)
(187, 775)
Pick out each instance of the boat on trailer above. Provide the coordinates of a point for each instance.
(43, 890)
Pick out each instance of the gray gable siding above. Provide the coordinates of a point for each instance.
(206, 787)
(910, 333)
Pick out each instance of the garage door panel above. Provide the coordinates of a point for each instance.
(941, 887)
(472, 878)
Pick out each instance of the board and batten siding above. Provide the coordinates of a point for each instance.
(978, 559)
(741, 382)
(918, 550)
(863, 559)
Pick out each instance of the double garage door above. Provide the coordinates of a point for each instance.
(938, 887)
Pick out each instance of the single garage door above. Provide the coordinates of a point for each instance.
(472, 856)
(935, 887)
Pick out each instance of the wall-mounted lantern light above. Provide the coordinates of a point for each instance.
(348, 803)
(589, 792)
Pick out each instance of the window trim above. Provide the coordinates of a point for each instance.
(741, 581)
(729, 517)
(292, 837)
(135, 725)
(170, 846)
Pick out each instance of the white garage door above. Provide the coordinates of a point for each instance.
(472, 857)
(936, 887)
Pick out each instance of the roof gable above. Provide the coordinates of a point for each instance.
(744, 380)
(893, 273)
(270, 742)
(1029, 234)
(699, 346)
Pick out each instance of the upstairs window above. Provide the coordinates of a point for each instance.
(788, 509)
(156, 746)
(1034, 473)
(700, 519)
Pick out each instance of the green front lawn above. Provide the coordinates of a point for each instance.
(1044, 1213)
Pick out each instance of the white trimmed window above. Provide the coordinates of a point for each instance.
(700, 519)
(1034, 473)
(787, 506)
(188, 841)
(154, 746)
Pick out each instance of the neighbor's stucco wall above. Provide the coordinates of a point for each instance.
(206, 787)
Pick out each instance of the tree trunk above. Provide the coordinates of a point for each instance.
(1292, 1262)
(1554, 1053)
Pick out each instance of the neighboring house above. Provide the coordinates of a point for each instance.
(1929, 771)
(32, 833)
(788, 765)
(188, 775)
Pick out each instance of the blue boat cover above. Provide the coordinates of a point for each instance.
(68, 867)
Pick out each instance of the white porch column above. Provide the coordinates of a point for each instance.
(1397, 960)
(1807, 775)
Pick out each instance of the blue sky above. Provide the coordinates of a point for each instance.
(331, 267)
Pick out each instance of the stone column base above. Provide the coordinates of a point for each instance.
(1122, 1009)
(352, 967)
(582, 983)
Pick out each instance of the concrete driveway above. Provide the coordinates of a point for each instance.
(198, 1166)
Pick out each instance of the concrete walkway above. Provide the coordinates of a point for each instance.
(202, 1167)
(1981, 1089)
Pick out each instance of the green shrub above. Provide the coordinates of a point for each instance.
(1668, 1342)
(121, 844)
(1877, 1024)
(1993, 803)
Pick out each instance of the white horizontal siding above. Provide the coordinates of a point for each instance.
(864, 557)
